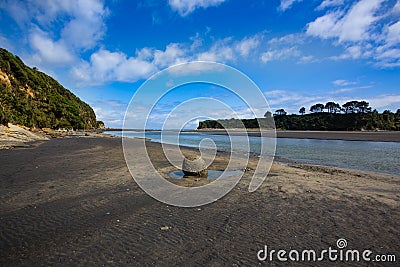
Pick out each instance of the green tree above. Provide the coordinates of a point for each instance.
(317, 108)
(34, 99)
(280, 112)
(363, 107)
(302, 110)
(332, 107)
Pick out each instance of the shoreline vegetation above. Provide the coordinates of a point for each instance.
(80, 206)
(320, 121)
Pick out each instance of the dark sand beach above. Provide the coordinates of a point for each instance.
(72, 201)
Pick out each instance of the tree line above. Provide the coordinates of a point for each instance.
(332, 107)
(351, 116)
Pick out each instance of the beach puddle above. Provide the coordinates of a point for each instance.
(212, 174)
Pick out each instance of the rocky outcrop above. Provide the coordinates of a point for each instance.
(17, 136)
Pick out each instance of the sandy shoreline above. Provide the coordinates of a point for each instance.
(72, 201)
(384, 136)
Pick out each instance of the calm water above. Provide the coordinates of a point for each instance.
(361, 155)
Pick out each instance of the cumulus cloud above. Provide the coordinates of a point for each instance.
(82, 27)
(367, 30)
(353, 25)
(49, 51)
(185, 7)
(105, 66)
(173, 54)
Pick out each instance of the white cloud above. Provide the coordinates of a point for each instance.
(367, 29)
(106, 66)
(82, 27)
(174, 53)
(396, 8)
(351, 52)
(393, 34)
(228, 50)
(194, 69)
(356, 24)
(48, 51)
(245, 46)
(111, 112)
(292, 101)
(353, 25)
(326, 26)
(220, 51)
(280, 54)
(289, 39)
(389, 58)
(385, 101)
(185, 7)
(330, 3)
(286, 4)
(289, 46)
(87, 26)
(343, 82)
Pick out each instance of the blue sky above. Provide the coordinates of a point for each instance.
(298, 52)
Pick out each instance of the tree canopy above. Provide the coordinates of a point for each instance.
(353, 115)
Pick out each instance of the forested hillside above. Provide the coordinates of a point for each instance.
(32, 98)
(319, 121)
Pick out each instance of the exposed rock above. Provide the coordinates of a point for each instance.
(3, 129)
(194, 166)
(23, 134)
(16, 136)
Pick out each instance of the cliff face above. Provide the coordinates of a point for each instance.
(32, 98)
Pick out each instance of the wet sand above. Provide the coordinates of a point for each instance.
(384, 136)
(72, 201)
